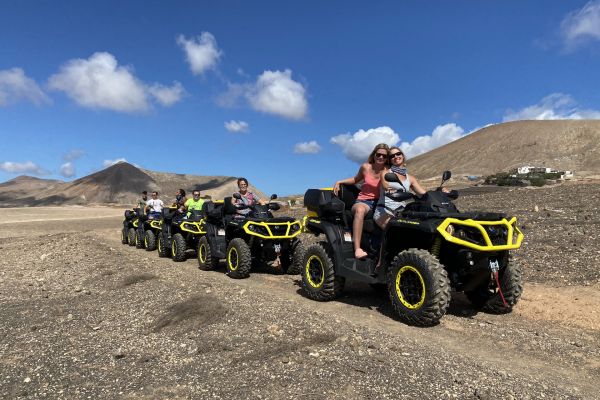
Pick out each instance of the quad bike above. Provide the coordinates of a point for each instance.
(255, 238)
(178, 234)
(130, 223)
(147, 231)
(428, 249)
(212, 246)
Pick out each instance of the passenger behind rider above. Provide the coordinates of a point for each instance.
(195, 203)
(141, 202)
(180, 200)
(246, 199)
(154, 206)
(386, 206)
(369, 173)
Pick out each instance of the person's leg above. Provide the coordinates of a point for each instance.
(382, 221)
(359, 210)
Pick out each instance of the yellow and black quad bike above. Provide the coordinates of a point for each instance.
(261, 238)
(179, 234)
(146, 232)
(428, 249)
(212, 246)
(129, 226)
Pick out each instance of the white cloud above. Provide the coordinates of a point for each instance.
(358, 146)
(99, 82)
(582, 25)
(553, 106)
(201, 53)
(16, 86)
(67, 170)
(108, 163)
(27, 167)
(73, 155)
(441, 135)
(311, 147)
(165, 95)
(275, 92)
(236, 126)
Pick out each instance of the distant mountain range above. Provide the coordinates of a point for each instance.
(121, 183)
(564, 145)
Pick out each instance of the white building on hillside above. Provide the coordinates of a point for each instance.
(528, 168)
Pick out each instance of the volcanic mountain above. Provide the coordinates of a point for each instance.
(572, 145)
(118, 184)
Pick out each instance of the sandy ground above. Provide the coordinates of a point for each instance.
(84, 316)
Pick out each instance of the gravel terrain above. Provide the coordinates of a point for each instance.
(86, 317)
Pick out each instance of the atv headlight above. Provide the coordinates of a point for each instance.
(258, 229)
(450, 229)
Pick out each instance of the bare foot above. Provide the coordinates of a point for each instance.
(360, 253)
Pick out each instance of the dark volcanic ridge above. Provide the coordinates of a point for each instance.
(118, 184)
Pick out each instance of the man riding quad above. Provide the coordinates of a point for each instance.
(181, 228)
(428, 249)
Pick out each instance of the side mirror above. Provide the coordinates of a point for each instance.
(237, 196)
(445, 176)
(273, 196)
(391, 177)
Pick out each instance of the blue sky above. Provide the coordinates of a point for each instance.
(290, 97)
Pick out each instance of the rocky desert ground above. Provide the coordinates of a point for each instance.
(84, 316)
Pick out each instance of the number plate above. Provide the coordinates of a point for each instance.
(221, 232)
(347, 237)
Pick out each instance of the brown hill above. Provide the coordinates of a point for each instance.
(564, 145)
(26, 187)
(118, 184)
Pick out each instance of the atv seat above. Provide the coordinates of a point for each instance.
(168, 213)
(348, 194)
(196, 215)
(229, 210)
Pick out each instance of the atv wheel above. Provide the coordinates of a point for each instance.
(293, 258)
(239, 259)
(206, 261)
(178, 247)
(131, 236)
(124, 235)
(318, 274)
(139, 239)
(488, 298)
(418, 287)
(163, 251)
(150, 241)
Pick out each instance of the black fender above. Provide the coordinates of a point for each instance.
(333, 233)
(217, 243)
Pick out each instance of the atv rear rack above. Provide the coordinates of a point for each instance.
(513, 235)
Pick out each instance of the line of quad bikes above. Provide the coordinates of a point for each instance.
(429, 249)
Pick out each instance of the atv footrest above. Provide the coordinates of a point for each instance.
(358, 269)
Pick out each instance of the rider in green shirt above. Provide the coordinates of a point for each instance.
(195, 203)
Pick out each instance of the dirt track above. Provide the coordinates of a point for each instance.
(84, 316)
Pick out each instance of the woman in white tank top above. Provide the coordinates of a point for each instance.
(384, 211)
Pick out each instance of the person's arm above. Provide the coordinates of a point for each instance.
(360, 175)
(186, 205)
(384, 183)
(416, 186)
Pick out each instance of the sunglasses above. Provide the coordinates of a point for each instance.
(396, 155)
(381, 155)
